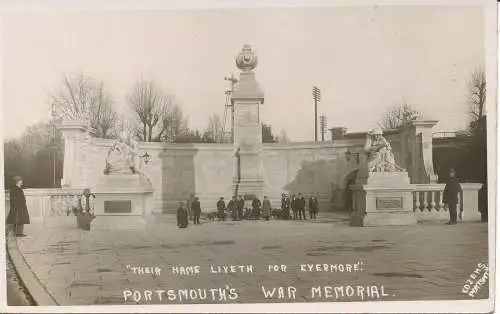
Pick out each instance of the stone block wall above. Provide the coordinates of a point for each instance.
(207, 170)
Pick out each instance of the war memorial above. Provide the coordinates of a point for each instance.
(391, 245)
(400, 183)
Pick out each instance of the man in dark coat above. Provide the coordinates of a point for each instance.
(221, 207)
(196, 209)
(256, 207)
(450, 197)
(232, 207)
(241, 206)
(182, 216)
(313, 207)
(18, 214)
(301, 207)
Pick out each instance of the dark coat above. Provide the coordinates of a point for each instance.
(232, 205)
(241, 203)
(18, 214)
(196, 206)
(300, 203)
(221, 205)
(256, 203)
(451, 190)
(313, 205)
(182, 217)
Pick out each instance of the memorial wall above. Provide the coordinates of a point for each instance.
(207, 170)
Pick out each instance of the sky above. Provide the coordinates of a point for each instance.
(364, 59)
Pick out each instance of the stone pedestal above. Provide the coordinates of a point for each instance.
(73, 134)
(384, 199)
(122, 202)
(246, 99)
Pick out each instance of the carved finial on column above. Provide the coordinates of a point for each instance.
(246, 60)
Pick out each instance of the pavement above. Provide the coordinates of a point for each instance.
(427, 261)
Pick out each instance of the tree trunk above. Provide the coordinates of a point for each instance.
(144, 132)
(150, 135)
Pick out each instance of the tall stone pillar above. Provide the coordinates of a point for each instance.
(246, 99)
(422, 167)
(74, 135)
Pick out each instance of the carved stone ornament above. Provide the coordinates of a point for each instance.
(246, 60)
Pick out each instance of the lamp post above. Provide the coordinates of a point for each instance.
(316, 92)
(322, 126)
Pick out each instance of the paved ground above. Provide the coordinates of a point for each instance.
(16, 294)
(421, 262)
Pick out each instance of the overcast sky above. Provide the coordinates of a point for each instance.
(364, 59)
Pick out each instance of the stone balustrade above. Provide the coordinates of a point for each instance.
(46, 203)
(428, 202)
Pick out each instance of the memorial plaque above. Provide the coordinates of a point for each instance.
(118, 207)
(389, 203)
(248, 116)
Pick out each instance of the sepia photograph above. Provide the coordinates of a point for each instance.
(332, 157)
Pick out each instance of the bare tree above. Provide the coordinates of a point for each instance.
(174, 125)
(81, 98)
(477, 94)
(400, 117)
(215, 129)
(151, 105)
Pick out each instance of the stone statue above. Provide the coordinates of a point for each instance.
(379, 153)
(123, 157)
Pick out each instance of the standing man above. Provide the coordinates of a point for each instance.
(221, 207)
(313, 207)
(182, 216)
(301, 206)
(241, 206)
(196, 209)
(232, 207)
(18, 214)
(266, 208)
(450, 197)
(189, 206)
(256, 207)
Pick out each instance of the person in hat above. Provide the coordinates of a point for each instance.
(221, 208)
(266, 208)
(182, 216)
(450, 197)
(196, 210)
(18, 214)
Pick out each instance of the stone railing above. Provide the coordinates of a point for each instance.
(428, 202)
(46, 203)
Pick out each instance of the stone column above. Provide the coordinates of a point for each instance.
(73, 134)
(246, 98)
(422, 168)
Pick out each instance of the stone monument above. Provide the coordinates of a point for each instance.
(383, 194)
(246, 99)
(123, 194)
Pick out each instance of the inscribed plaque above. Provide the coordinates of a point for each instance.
(118, 207)
(389, 203)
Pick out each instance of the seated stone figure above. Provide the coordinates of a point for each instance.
(379, 153)
(123, 157)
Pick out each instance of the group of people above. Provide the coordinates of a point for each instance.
(249, 207)
(297, 205)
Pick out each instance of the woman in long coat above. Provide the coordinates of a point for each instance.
(182, 216)
(18, 214)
